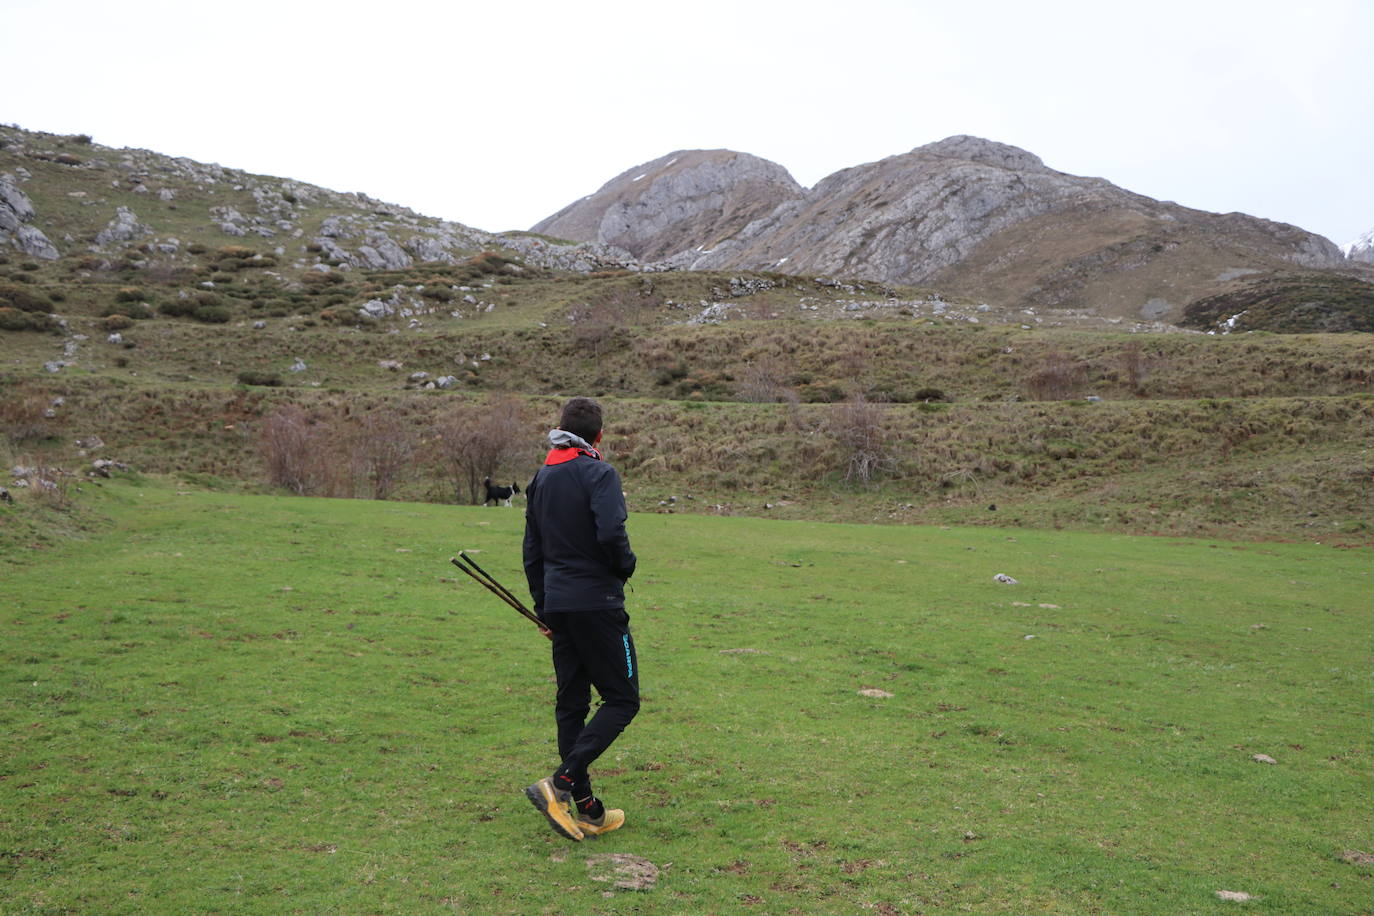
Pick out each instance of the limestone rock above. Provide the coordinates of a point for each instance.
(973, 216)
(123, 228)
(677, 202)
(16, 210)
(1362, 249)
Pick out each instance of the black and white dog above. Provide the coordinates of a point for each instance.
(499, 495)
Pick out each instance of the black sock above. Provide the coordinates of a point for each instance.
(590, 807)
(564, 782)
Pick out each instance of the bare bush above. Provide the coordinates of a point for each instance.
(600, 324)
(49, 486)
(295, 449)
(472, 440)
(1136, 366)
(1058, 377)
(380, 448)
(762, 381)
(22, 415)
(857, 428)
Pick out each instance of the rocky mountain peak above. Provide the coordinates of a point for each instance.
(976, 149)
(678, 201)
(1362, 249)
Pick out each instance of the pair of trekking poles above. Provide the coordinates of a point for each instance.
(484, 578)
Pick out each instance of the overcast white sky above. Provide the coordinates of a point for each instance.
(498, 114)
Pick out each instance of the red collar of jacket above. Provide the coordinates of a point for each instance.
(561, 455)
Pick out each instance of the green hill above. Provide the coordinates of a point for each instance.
(186, 308)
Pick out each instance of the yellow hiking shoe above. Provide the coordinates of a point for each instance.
(610, 819)
(556, 806)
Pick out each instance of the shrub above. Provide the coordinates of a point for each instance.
(177, 308)
(24, 300)
(22, 416)
(1058, 378)
(15, 320)
(470, 442)
(213, 314)
(129, 294)
(264, 379)
(205, 297)
(196, 248)
(29, 265)
(295, 451)
(68, 159)
(821, 393)
(117, 322)
(857, 428)
(135, 310)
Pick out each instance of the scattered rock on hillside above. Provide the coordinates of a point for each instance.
(1005, 579)
(123, 228)
(1238, 896)
(16, 211)
(1263, 758)
(876, 693)
(624, 871)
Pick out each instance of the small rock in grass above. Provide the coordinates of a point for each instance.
(875, 692)
(1005, 579)
(1238, 896)
(1020, 604)
(1029, 636)
(1263, 758)
(1051, 607)
(742, 652)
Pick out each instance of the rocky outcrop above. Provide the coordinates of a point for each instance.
(16, 212)
(123, 228)
(1362, 249)
(971, 216)
(684, 200)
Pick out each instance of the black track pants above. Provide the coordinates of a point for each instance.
(592, 649)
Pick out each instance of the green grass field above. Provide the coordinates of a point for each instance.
(223, 702)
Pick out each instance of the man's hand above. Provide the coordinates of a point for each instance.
(548, 634)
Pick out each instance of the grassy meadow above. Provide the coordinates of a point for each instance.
(218, 701)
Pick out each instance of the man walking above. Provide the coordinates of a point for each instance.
(577, 560)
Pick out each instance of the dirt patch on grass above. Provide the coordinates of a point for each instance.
(623, 871)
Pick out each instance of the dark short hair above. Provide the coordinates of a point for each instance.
(581, 417)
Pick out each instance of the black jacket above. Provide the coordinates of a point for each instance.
(577, 554)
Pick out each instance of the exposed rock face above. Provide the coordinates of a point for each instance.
(678, 202)
(16, 211)
(124, 227)
(1362, 249)
(965, 214)
(991, 220)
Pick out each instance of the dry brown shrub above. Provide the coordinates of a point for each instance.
(380, 448)
(471, 441)
(857, 428)
(1058, 376)
(762, 381)
(296, 451)
(22, 415)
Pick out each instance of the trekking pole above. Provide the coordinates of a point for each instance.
(483, 578)
(504, 592)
